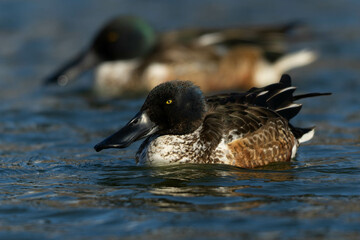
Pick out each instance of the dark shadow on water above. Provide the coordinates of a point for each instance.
(190, 187)
(193, 174)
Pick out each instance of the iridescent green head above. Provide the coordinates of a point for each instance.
(124, 37)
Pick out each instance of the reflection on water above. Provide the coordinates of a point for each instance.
(53, 185)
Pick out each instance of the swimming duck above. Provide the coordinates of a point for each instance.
(248, 129)
(130, 57)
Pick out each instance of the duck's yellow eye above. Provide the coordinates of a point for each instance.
(169, 101)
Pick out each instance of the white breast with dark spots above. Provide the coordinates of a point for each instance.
(189, 148)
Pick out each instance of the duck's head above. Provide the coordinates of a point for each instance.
(123, 38)
(175, 108)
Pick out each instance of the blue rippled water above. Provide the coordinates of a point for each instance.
(53, 185)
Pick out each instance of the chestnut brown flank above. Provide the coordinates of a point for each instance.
(273, 142)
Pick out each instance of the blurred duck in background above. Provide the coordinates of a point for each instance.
(131, 58)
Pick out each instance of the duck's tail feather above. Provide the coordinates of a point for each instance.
(289, 111)
(308, 95)
(302, 134)
(279, 97)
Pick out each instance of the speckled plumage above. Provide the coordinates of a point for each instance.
(236, 135)
(247, 130)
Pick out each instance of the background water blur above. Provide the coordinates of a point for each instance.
(53, 185)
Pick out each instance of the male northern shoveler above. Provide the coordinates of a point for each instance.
(130, 57)
(247, 130)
